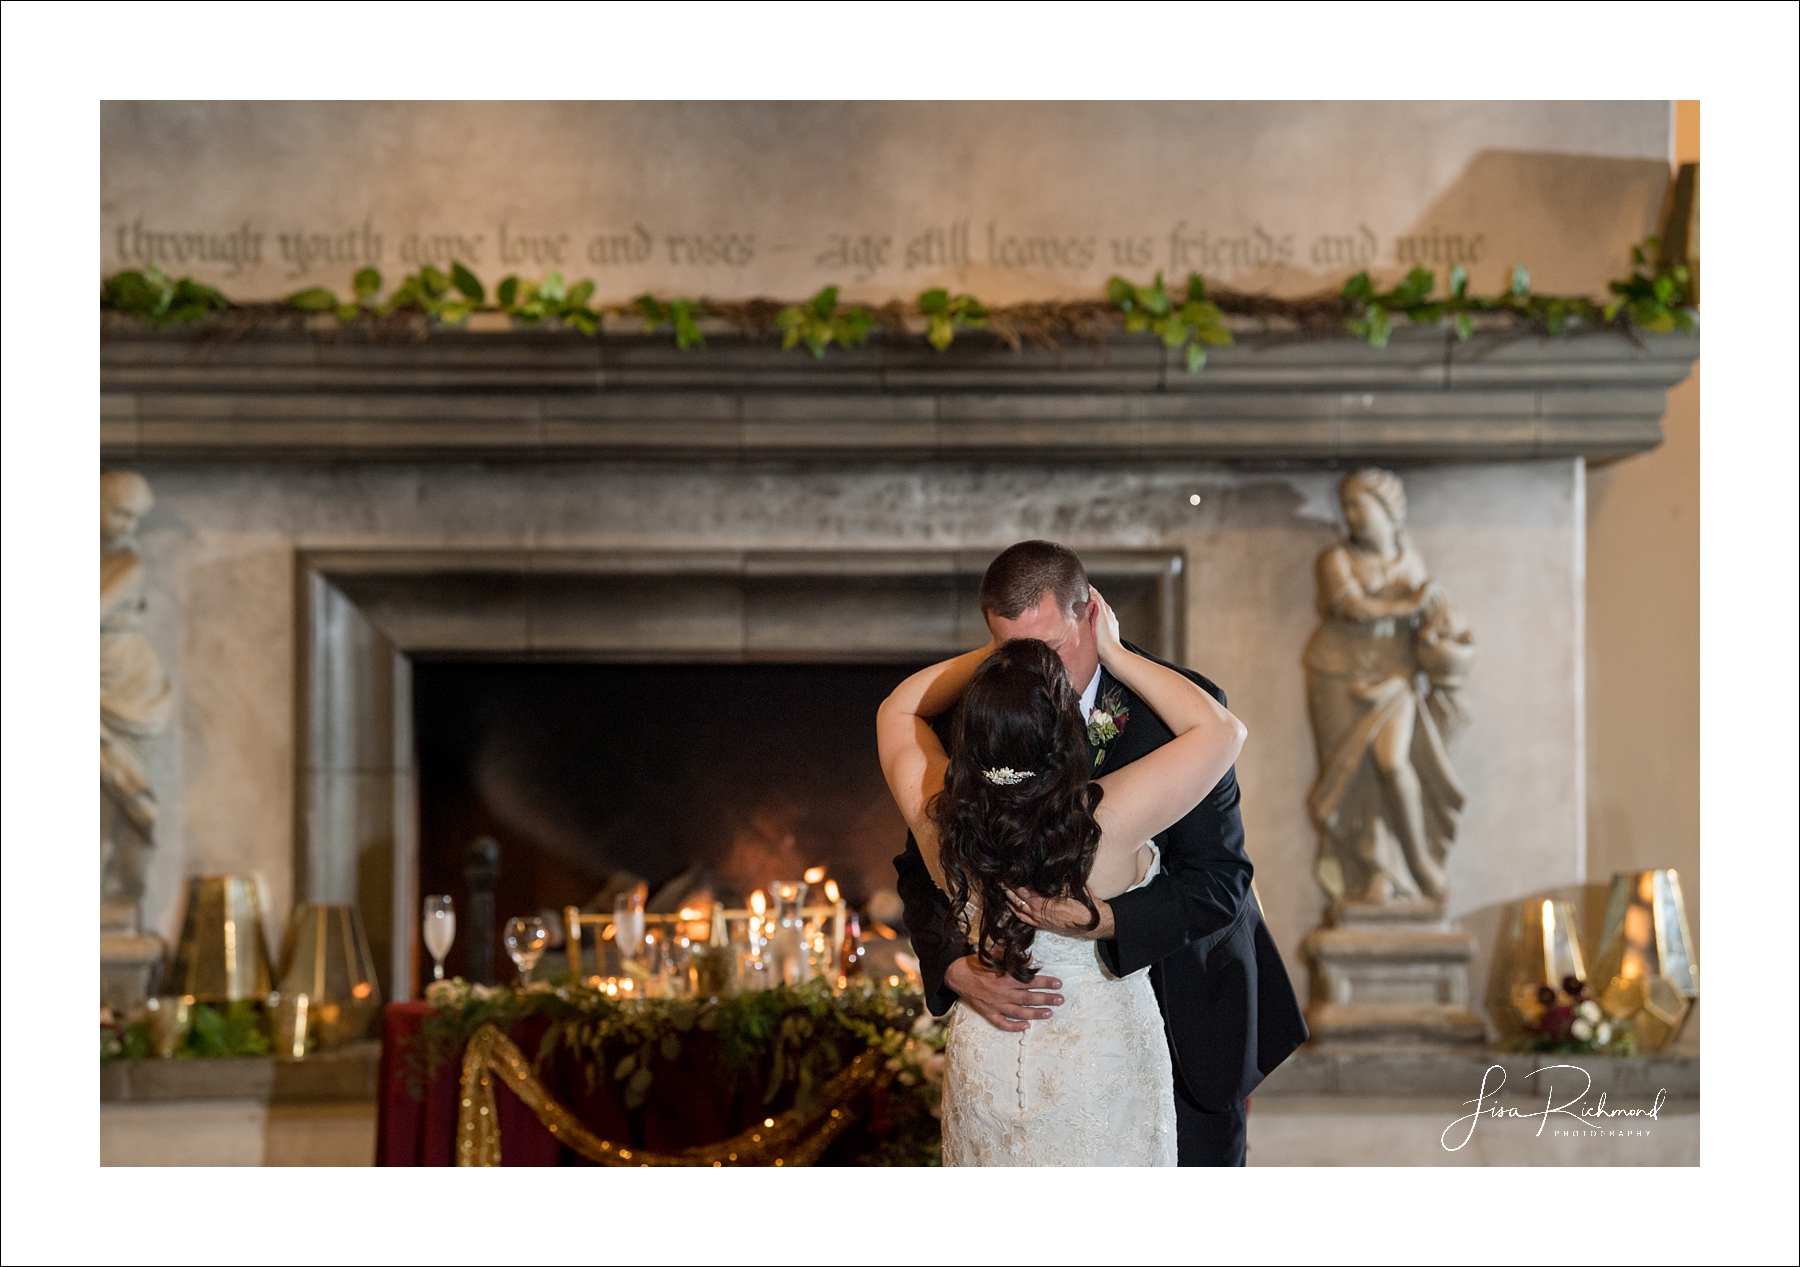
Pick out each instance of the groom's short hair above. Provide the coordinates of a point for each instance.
(1015, 581)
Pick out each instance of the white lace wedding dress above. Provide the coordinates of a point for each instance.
(1091, 1086)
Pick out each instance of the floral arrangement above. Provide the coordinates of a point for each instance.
(1106, 721)
(1572, 1023)
(792, 1036)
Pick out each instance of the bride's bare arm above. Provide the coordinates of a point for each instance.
(1158, 789)
(912, 759)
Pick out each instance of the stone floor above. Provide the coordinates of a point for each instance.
(237, 1133)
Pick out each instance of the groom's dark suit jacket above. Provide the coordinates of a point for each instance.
(1226, 1000)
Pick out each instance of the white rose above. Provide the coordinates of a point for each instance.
(1590, 1012)
(1603, 1035)
(1582, 1030)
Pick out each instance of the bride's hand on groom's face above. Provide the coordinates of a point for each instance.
(1061, 915)
(1105, 623)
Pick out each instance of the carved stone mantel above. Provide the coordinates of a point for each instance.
(524, 395)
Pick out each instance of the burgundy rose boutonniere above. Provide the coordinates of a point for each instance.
(1106, 721)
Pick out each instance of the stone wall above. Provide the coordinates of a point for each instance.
(1008, 200)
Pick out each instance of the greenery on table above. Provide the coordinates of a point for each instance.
(1654, 298)
(790, 1037)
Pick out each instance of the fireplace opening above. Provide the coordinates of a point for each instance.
(687, 779)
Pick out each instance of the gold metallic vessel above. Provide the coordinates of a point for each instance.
(1645, 973)
(329, 992)
(221, 956)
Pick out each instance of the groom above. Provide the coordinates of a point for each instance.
(1228, 1009)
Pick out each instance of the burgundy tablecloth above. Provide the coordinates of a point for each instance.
(690, 1103)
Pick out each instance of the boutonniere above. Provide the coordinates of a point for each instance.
(1106, 721)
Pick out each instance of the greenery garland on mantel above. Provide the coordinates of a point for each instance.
(1655, 299)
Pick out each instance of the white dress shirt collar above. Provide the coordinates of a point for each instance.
(1088, 694)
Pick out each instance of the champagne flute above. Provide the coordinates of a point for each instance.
(439, 927)
(526, 938)
(628, 923)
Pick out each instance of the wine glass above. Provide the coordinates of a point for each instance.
(526, 938)
(439, 927)
(628, 923)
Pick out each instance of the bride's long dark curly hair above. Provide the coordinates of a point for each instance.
(1040, 834)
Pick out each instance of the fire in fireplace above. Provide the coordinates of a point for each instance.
(689, 779)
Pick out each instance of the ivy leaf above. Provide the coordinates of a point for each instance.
(1358, 288)
(453, 314)
(1379, 326)
(934, 302)
(581, 292)
(551, 288)
(366, 283)
(939, 331)
(623, 1070)
(852, 328)
(1196, 357)
(825, 302)
(509, 290)
(1156, 299)
(433, 282)
(313, 299)
(1122, 293)
(1465, 326)
(346, 312)
(1521, 280)
(1459, 281)
(1414, 287)
(467, 283)
(1196, 288)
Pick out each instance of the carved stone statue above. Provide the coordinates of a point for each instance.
(1384, 674)
(135, 696)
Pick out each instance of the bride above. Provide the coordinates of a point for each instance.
(1014, 809)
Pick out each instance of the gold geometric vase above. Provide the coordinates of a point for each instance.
(1646, 974)
(222, 956)
(1538, 949)
(329, 993)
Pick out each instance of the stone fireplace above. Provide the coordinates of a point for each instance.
(333, 514)
(367, 616)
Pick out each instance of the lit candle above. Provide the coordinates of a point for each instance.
(814, 875)
(758, 904)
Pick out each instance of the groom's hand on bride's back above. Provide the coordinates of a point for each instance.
(1001, 1001)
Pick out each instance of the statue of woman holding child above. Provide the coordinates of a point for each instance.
(1384, 672)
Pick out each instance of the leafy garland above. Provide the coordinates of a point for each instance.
(1655, 298)
(793, 1036)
